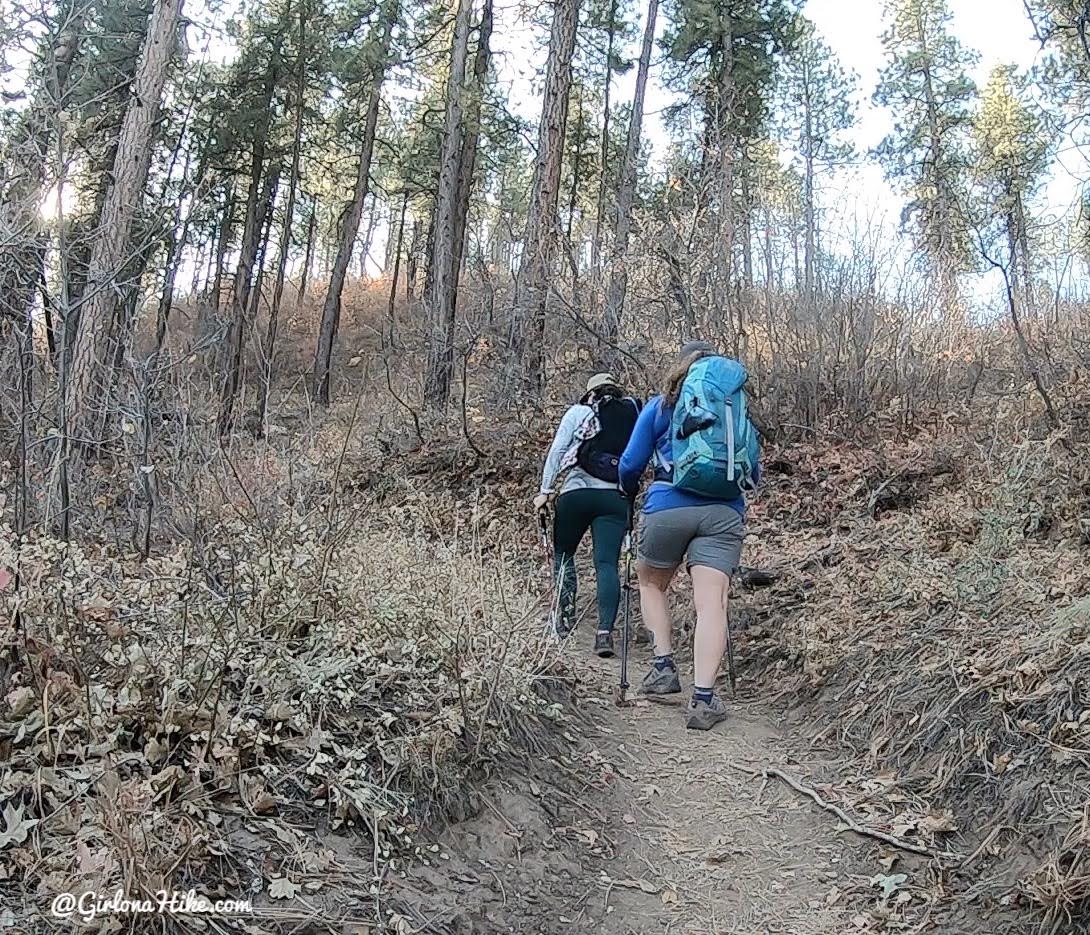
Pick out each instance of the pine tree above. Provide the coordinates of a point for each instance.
(626, 190)
(927, 87)
(86, 396)
(376, 58)
(815, 108)
(456, 168)
(726, 54)
(1011, 157)
(539, 243)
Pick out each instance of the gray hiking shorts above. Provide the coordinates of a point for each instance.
(704, 535)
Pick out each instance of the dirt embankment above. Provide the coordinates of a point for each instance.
(920, 623)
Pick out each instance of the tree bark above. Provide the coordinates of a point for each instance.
(626, 193)
(472, 136)
(940, 236)
(746, 223)
(350, 219)
(527, 338)
(269, 350)
(111, 247)
(223, 241)
(810, 247)
(600, 211)
(256, 213)
(258, 198)
(257, 293)
(577, 163)
(391, 317)
(308, 260)
(412, 261)
(368, 237)
(724, 121)
(441, 265)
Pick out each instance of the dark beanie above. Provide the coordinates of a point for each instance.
(692, 347)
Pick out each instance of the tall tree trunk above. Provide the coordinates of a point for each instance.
(256, 212)
(941, 235)
(577, 162)
(472, 136)
(391, 318)
(22, 249)
(412, 261)
(350, 219)
(770, 270)
(257, 293)
(724, 129)
(626, 193)
(257, 201)
(368, 236)
(441, 272)
(607, 87)
(1022, 235)
(810, 247)
(443, 297)
(269, 350)
(223, 242)
(539, 243)
(176, 246)
(746, 232)
(308, 260)
(111, 243)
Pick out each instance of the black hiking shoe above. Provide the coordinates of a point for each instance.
(603, 644)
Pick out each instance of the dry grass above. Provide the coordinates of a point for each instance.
(320, 659)
(945, 640)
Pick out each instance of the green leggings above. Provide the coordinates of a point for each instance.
(606, 513)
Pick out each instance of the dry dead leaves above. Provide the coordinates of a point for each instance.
(177, 720)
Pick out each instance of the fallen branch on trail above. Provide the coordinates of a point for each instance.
(850, 823)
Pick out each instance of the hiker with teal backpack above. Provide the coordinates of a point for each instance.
(705, 451)
(582, 462)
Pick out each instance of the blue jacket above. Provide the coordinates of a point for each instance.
(651, 439)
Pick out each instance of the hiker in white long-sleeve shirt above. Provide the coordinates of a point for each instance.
(583, 461)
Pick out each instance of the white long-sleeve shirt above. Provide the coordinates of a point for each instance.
(576, 478)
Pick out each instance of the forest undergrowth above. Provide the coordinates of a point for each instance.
(331, 641)
(932, 604)
(313, 673)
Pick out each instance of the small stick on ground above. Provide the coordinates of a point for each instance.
(850, 822)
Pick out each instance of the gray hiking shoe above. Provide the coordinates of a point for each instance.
(660, 682)
(704, 715)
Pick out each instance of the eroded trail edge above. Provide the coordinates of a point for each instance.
(652, 828)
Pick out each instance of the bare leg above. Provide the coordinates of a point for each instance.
(654, 583)
(710, 590)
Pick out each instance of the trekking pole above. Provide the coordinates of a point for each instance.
(543, 529)
(554, 585)
(730, 658)
(624, 686)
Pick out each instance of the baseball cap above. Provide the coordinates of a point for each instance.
(599, 380)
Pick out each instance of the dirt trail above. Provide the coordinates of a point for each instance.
(738, 854)
(657, 829)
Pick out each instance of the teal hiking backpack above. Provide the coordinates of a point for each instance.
(713, 443)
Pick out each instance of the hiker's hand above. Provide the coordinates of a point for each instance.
(540, 502)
